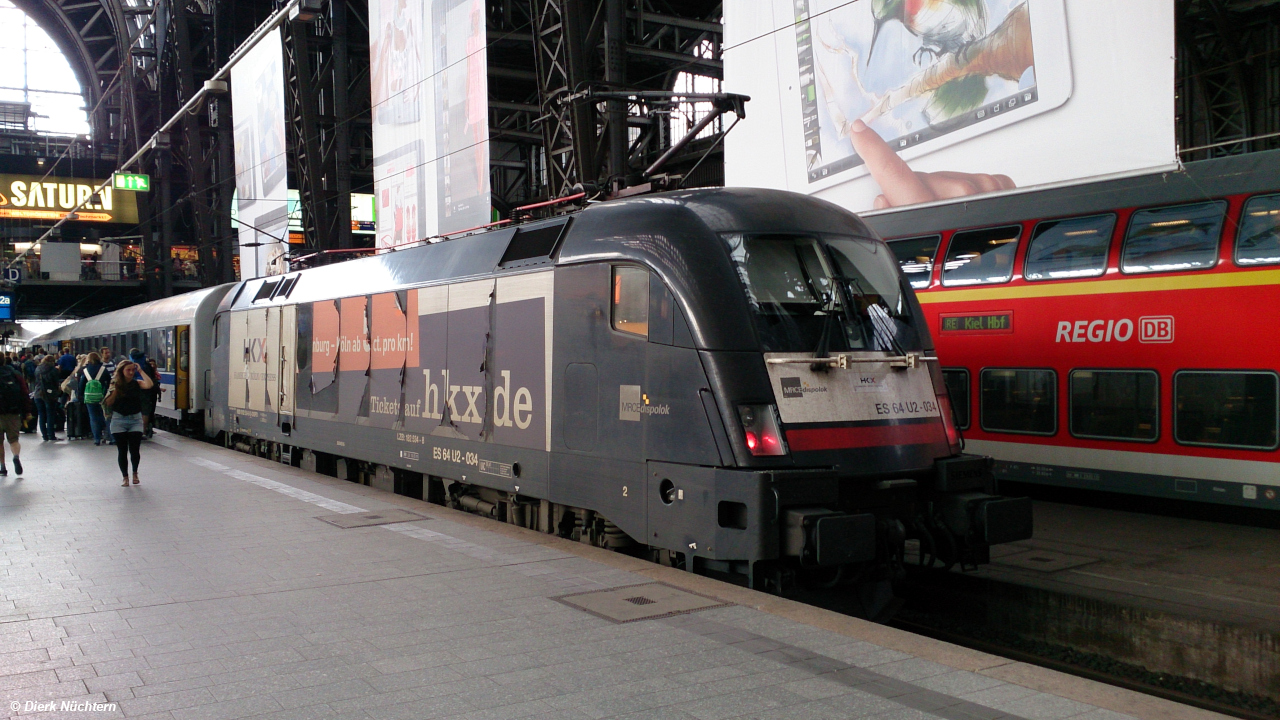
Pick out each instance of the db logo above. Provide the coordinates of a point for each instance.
(1155, 329)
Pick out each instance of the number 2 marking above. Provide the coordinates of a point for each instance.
(624, 491)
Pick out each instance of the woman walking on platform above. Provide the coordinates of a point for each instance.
(125, 401)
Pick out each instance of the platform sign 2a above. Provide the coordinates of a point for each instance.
(136, 182)
(6, 306)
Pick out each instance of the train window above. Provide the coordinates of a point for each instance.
(532, 243)
(1071, 248)
(980, 257)
(1169, 239)
(915, 257)
(1226, 408)
(631, 300)
(957, 382)
(1258, 242)
(797, 287)
(1019, 401)
(1115, 404)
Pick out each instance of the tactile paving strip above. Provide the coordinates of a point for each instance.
(374, 517)
(639, 602)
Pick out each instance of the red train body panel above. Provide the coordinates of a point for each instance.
(1155, 378)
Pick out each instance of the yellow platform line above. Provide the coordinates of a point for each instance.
(1251, 278)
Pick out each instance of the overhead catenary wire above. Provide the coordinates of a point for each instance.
(243, 49)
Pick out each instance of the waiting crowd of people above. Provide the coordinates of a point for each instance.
(87, 396)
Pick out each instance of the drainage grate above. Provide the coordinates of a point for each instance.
(366, 519)
(624, 605)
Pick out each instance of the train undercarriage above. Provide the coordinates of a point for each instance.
(855, 543)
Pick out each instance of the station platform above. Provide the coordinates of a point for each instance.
(1189, 598)
(228, 586)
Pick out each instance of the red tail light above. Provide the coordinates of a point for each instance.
(760, 428)
(949, 424)
(954, 439)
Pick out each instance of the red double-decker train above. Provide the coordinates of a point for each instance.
(1121, 336)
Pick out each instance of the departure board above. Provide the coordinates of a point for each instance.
(998, 322)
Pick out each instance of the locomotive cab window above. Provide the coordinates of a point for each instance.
(915, 257)
(834, 293)
(1071, 248)
(1227, 409)
(631, 300)
(1115, 404)
(1258, 242)
(1171, 239)
(1019, 401)
(981, 257)
(957, 382)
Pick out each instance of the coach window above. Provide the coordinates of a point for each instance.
(1170, 239)
(1258, 242)
(979, 257)
(1071, 248)
(1225, 408)
(957, 382)
(915, 257)
(1115, 404)
(631, 300)
(1019, 401)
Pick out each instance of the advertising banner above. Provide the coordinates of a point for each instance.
(430, 118)
(34, 197)
(257, 101)
(888, 103)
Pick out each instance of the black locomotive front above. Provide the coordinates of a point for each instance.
(824, 439)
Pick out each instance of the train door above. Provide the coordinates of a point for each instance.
(238, 360)
(282, 338)
(161, 350)
(182, 369)
(258, 355)
(600, 356)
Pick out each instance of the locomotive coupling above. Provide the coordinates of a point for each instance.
(823, 537)
(979, 518)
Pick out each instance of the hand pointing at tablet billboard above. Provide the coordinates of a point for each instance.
(885, 103)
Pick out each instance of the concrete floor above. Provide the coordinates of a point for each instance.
(212, 590)
(1193, 568)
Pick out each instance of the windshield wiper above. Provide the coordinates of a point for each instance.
(883, 333)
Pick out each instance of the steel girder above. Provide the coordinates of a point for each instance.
(576, 51)
(1228, 76)
(328, 111)
(111, 48)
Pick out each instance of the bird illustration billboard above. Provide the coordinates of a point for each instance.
(887, 103)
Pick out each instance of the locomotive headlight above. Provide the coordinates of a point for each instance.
(761, 431)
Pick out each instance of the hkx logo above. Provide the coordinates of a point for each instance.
(1155, 329)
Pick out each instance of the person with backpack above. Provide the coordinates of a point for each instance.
(14, 404)
(92, 390)
(48, 394)
(125, 401)
(77, 425)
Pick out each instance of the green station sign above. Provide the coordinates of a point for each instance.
(131, 181)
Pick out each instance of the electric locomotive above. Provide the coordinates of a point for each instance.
(732, 381)
(1114, 336)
